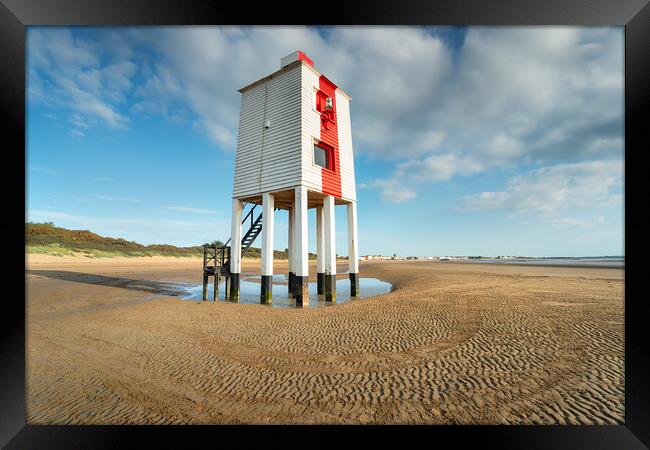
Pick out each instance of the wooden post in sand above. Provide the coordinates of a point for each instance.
(215, 293)
(329, 232)
(320, 257)
(300, 229)
(205, 286)
(235, 249)
(290, 247)
(268, 212)
(353, 250)
(205, 275)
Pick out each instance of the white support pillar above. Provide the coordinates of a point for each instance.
(329, 232)
(268, 210)
(235, 248)
(353, 249)
(290, 246)
(320, 257)
(301, 251)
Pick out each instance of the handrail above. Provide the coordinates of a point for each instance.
(250, 213)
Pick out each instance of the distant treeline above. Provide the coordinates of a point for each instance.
(50, 239)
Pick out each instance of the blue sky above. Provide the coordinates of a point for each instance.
(467, 141)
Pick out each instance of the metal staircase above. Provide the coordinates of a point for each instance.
(248, 239)
(216, 260)
(251, 234)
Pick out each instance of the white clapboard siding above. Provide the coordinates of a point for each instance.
(269, 160)
(282, 156)
(311, 173)
(348, 187)
(249, 137)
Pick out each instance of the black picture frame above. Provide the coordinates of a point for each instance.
(15, 15)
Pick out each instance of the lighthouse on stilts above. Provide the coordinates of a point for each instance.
(294, 153)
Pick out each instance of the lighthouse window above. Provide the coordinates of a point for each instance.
(322, 156)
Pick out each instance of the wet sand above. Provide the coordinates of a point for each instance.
(453, 343)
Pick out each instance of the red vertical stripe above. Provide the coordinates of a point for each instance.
(330, 136)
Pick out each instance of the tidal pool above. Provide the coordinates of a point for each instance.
(250, 291)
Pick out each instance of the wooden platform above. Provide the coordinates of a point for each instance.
(284, 199)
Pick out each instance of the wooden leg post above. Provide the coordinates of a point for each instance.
(329, 285)
(353, 250)
(215, 293)
(300, 229)
(235, 249)
(266, 294)
(320, 251)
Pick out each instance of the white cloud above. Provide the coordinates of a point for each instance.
(506, 96)
(80, 121)
(57, 46)
(517, 95)
(72, 95)
(550, 190)
(67, 71)
(438, 167)
(392, 73)
(391, 190)
(76, 133)
(400, 187)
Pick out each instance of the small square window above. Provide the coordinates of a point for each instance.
(322, 156)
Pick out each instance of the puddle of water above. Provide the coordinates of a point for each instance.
(250, 291)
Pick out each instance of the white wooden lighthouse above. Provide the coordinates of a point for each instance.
(294, 152)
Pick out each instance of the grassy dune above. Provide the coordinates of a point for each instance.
(46, 238)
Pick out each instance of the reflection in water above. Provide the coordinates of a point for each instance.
(250, 291)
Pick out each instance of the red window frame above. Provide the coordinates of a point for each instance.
(329, 152)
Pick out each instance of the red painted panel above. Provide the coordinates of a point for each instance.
(303, 57)
(329, 134)
(320, 101)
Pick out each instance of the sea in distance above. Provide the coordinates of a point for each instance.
(583, 261)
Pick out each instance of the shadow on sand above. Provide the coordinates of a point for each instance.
(152, 287)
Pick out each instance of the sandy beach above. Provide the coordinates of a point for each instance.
(109, 343)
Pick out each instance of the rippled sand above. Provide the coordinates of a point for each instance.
(454, 343)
